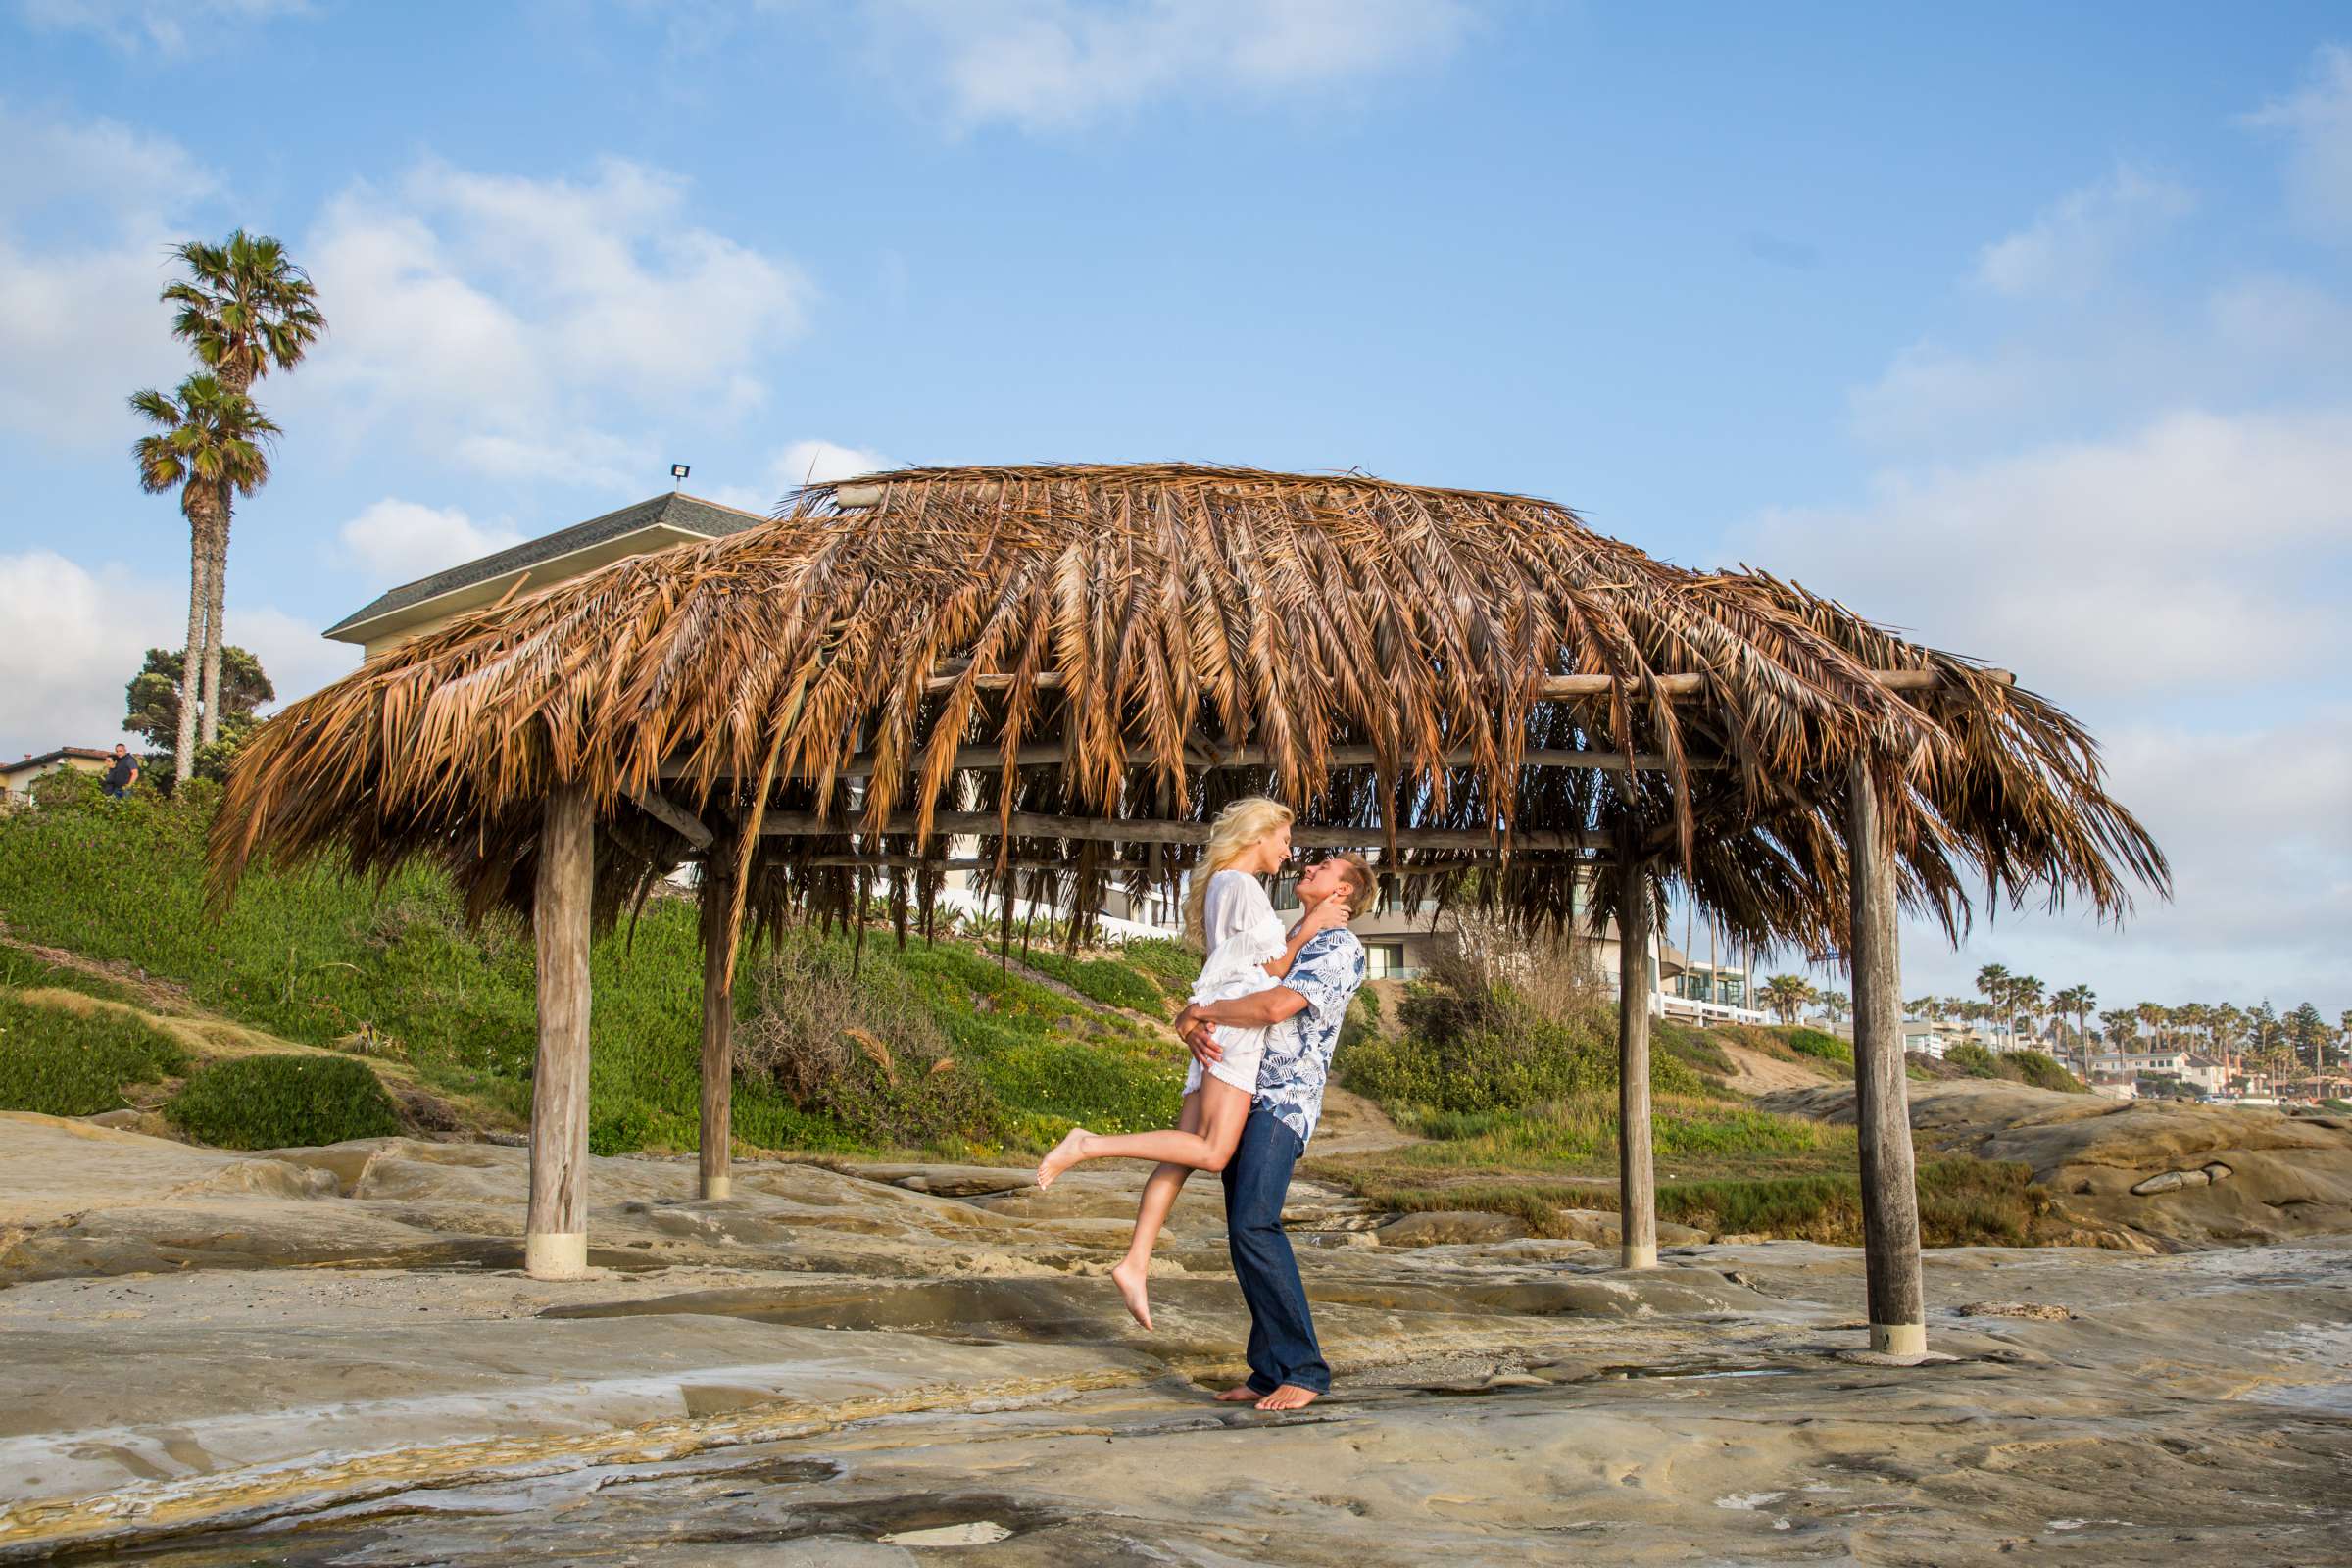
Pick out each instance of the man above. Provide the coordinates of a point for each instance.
(1302, 1013)
(122, 773)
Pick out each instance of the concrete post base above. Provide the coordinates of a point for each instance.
(1899, 1339)
(548, 1256)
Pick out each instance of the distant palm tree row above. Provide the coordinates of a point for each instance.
(2259, 1036)
(244, 310)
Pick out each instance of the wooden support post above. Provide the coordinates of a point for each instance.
(556, 1234)
(718, 1018)
(1636, 1175)
(1882, 1101)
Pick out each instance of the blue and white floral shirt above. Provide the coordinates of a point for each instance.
(1297, 1059)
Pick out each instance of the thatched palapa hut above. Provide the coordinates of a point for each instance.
(1053, 677)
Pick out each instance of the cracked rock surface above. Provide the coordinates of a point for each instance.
(329, 1356)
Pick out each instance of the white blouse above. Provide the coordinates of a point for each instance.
(1244, 935)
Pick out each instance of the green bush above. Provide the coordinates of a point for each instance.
(283, 1101)
(2041, 1069)
(1695, 1049)
(1579, 1136)
(1972, 1059)
(65, 1064)
(1451, 1060)
(1104, 980)
(1822, 1047)
(1171, 964)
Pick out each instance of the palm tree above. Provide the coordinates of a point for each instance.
(2025, 995)
(1786, 995)
(246, 309)
(1992, 982)
(208, 443)
(1836, 1005)
(2078, 1000)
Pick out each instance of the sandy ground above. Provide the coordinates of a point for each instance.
(1760, 1074)
(328, 1356)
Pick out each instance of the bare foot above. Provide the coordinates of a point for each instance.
(1129, 1277)
(1290, 1397)
(1061, 1157)
(1241, 1393)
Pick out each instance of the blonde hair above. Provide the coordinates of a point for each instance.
(1360, 878)
(1237, 828)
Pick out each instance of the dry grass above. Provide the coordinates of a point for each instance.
(1123, 617)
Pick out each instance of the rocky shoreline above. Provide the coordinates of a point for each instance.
(328, 1356)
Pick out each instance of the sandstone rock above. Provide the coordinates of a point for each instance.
(1450, 1227)
(2040, 1311)
(127, 1116)
(2285, 1177)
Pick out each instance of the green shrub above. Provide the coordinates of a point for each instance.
(1962, 1202)
(1104, 980)
(1695, 1049)
(65, 1064)
(1822, 1047)
(1361, 1021)
(1579, 1136)
(283, 1101)
(1171, 964)
(1972, 1059)
(1500, 1064)
(2342, 1107)
(2041, 1069)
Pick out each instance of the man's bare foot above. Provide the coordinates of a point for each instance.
(1290, 1397)
(1062, 1155)
(1130, 1277)
(1241, 1393)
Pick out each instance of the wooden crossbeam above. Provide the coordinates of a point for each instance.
(662, 808)
(1550, 689)
(988, 758)
(913, 862)
(1151, 830)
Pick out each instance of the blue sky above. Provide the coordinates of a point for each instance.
(2028, 333)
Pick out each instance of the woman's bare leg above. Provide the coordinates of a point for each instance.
(1160, 1191)
(1223, 1110)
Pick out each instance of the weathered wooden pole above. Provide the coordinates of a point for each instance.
(718, 1016)
(1881, 1103)
(1637, 1184)
(555, 1235)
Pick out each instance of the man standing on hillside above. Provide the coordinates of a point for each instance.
(1287, 1369)
(122, 773)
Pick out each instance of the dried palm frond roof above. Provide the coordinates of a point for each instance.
(1080, 640)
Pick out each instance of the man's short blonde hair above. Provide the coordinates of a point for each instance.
(1361, 880)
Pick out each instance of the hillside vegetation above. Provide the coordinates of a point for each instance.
(390, 972)
(265, 1024)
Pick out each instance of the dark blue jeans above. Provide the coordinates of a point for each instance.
(1281, 1332)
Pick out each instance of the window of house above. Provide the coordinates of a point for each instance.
(1383, 960)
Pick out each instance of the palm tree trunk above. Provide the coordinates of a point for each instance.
(219, 587)
(183, 755)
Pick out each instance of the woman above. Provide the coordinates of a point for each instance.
(1227, 912)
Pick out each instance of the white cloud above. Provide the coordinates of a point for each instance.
(2066, 251)
(2317, 122)
(398, 541)
(76, 637)
(520, 326)
(161, 24)
(1056, 65)
(87, 215)
(2197, 552)
(810, 461)
(2254, 820)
